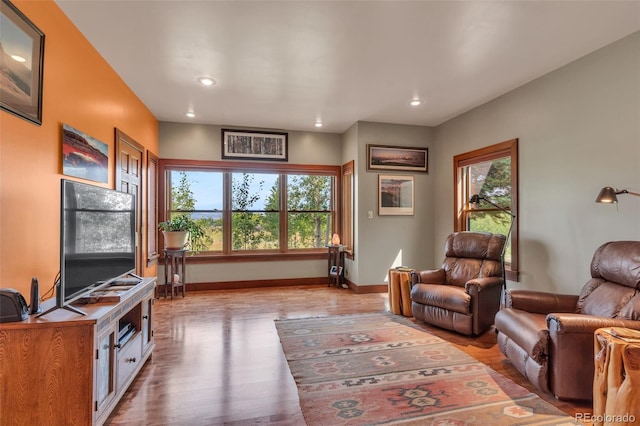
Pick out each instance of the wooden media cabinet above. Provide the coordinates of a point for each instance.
(68, 369)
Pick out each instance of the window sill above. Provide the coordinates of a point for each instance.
(254, 257)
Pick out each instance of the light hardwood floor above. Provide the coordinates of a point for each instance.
(218, 359)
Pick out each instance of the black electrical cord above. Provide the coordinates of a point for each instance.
(50, 292)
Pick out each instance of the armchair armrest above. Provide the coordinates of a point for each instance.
(428, 276)
(563, 323)
(571, 339)
(479, 284)
(539, 302)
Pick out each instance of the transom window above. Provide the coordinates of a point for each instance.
(252, 209)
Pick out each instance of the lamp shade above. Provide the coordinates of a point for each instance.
(607, 195)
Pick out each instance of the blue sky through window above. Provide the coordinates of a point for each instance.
(208, 190)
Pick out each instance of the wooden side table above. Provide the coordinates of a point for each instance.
(616, 400)
(175, 271)
(400, 291)
(335, 265)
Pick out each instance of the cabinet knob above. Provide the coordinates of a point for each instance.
(131, 360)
(117, 346)
(145, 317)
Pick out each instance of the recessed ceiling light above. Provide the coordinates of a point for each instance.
(416, 102)
(190, 114)
(206, 81)
(318, 124)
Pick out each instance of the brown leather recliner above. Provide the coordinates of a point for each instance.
(464, 294)
(549, 337)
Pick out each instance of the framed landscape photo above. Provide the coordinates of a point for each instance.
(21, 63)
(254, 145)
(395, 195)
(398, 158)
(84, 156)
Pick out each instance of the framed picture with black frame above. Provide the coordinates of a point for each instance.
(397, 158)
(254, 145)
(21, 64)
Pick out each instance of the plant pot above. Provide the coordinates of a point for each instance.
(175, 239)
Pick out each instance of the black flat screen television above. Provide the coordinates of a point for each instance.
(97, 239)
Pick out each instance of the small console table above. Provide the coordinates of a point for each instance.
(335, 265)
(175, 271)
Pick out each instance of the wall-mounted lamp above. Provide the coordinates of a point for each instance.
(610, 195)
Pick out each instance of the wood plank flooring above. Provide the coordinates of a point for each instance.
(218, 359)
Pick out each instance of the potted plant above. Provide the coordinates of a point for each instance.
(182, 231)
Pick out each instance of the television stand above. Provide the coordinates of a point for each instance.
(67, 369)
(67, 307)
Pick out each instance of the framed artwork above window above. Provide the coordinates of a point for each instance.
(254, 145)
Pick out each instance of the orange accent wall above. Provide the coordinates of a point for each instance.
(79, 89)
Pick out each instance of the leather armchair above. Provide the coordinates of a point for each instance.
(464, 294)
(549, 338)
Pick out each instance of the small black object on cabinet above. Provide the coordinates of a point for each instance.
(13, 307)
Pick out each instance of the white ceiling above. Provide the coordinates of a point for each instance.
(286, 64)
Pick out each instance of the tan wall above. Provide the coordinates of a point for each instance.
(83, 91)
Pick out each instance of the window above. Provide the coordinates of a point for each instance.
(255, 211)
(347, 207)
(250, 209)
(199, 194)
(152, 208)
(309, 211)
(491, 173)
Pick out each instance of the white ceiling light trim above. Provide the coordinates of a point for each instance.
(206, 81)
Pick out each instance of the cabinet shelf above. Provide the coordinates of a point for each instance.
(91, 366)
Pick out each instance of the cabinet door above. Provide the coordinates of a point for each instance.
(147, 324)
(105, 371)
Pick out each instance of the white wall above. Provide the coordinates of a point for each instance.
(578, 130)
(203, 142)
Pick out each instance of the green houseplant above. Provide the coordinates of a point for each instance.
(182, 231)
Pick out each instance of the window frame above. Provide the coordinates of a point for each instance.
(347, 211)
(507, 148)
(227, 254)
(152, 209)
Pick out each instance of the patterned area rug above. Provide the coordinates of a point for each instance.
(370, 369)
